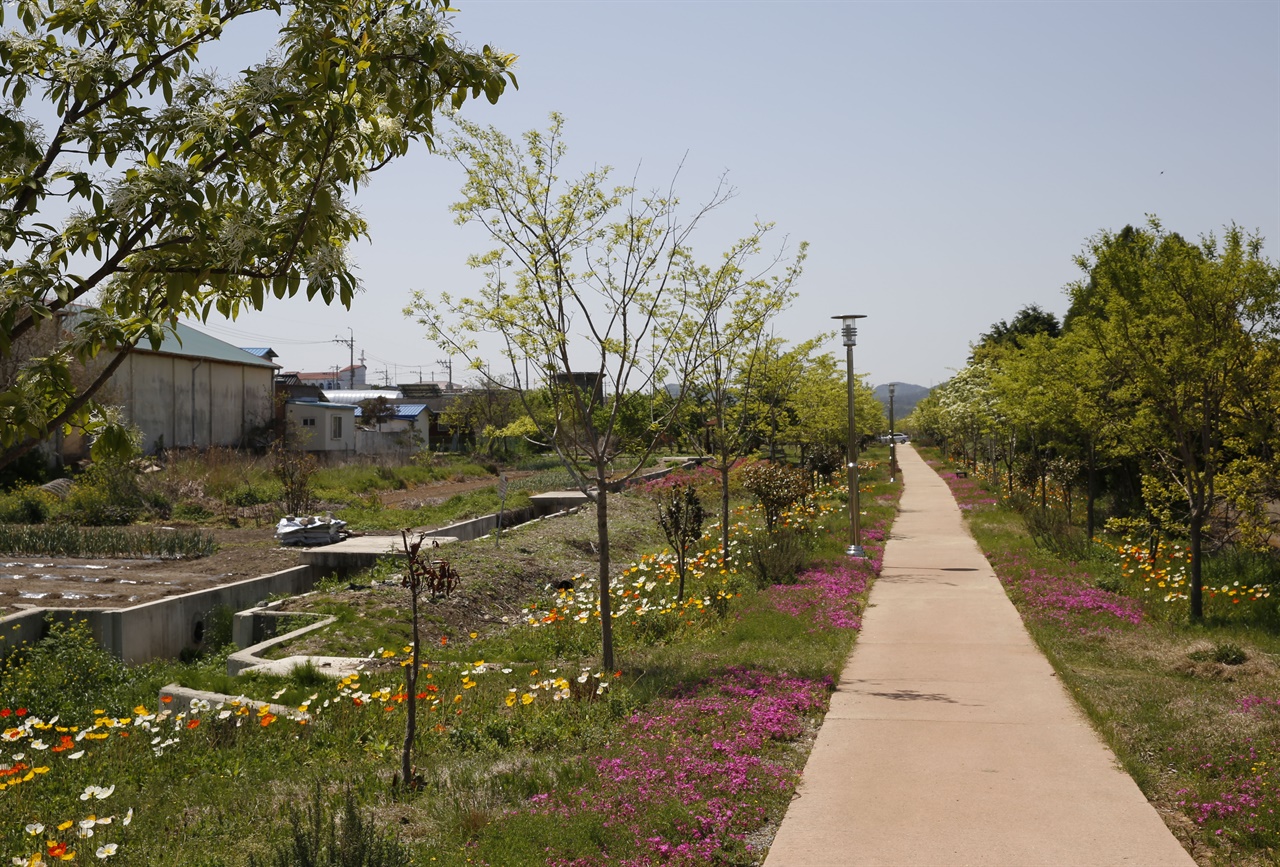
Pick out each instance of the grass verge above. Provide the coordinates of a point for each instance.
(526, 752)
(1191, 711)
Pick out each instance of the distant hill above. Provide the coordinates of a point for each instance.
(905, 398)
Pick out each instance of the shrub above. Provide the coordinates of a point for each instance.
(191, 512)
(26, 505)
(1051, 530)
(1224, 653)
(824, 459)
(777, 557)
(322, 838)
(294, 469)
(775, 486)
(61, 674)
(681, 520)
(91, 505)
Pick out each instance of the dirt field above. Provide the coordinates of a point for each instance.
(51, 582)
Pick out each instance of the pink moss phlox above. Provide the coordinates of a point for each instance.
(968, 492)
(830, 594)
(1062, 594)
(699, 476)
(1250, 703)
(708, 749)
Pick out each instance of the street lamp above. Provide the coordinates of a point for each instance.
(893, 438)
(849, 331)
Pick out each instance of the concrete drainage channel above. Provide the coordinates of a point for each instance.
(167, 627)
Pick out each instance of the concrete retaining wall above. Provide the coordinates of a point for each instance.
(466, 531)
(166, 627)
(25, 627)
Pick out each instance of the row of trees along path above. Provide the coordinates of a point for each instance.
(949, 739)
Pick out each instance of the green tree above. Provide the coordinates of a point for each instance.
(820, 401)
(597, 281)
(1029, 322)
(483, 411)
(1187, 331)
(376, 410)
(735, 301)
(178, 192)
(681, 520)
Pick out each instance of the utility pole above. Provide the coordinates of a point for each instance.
(351, 347)
(448, 364)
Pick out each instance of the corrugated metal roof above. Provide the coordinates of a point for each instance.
(189, 343)
(186, 342)
(359, 395)
(404, 411)
(303, 401)
(261, 351)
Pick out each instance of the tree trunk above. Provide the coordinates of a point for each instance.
(1197, 534)
(602, 533)
(724, 512)
(411, 687)
(1091, 494)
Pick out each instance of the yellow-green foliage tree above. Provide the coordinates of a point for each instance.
(1189, 332)
(584, 282)
(159, 190)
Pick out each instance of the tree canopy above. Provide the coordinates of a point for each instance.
(158, 190)
(596, 288)
(1163, 377)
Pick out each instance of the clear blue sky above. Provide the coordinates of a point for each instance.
(944, 160)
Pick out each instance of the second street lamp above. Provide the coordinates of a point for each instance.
(893, 438)
(849, 331)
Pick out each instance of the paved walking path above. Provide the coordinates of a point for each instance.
(950, 741)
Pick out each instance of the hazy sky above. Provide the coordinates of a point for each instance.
(945, 161)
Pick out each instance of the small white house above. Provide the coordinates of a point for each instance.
(320, 426)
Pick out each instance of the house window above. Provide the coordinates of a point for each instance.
(308, 422)
(336, 428)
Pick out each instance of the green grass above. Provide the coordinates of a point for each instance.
(473, 504)
(1191, 710)
(206, 794)
(340, 483)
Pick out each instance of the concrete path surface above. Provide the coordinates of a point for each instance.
(949, 740)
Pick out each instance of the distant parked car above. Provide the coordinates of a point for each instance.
(895, 438)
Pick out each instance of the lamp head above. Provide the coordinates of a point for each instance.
(849, 330)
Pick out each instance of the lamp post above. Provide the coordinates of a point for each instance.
(849, 331)
(893, 438)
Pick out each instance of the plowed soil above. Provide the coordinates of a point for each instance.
(53, 582)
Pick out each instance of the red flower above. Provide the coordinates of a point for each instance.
(5, 712)
(57, 850)
(22, 711)
(192, 723)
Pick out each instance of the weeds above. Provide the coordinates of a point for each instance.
(319, 837)
(65, 540)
